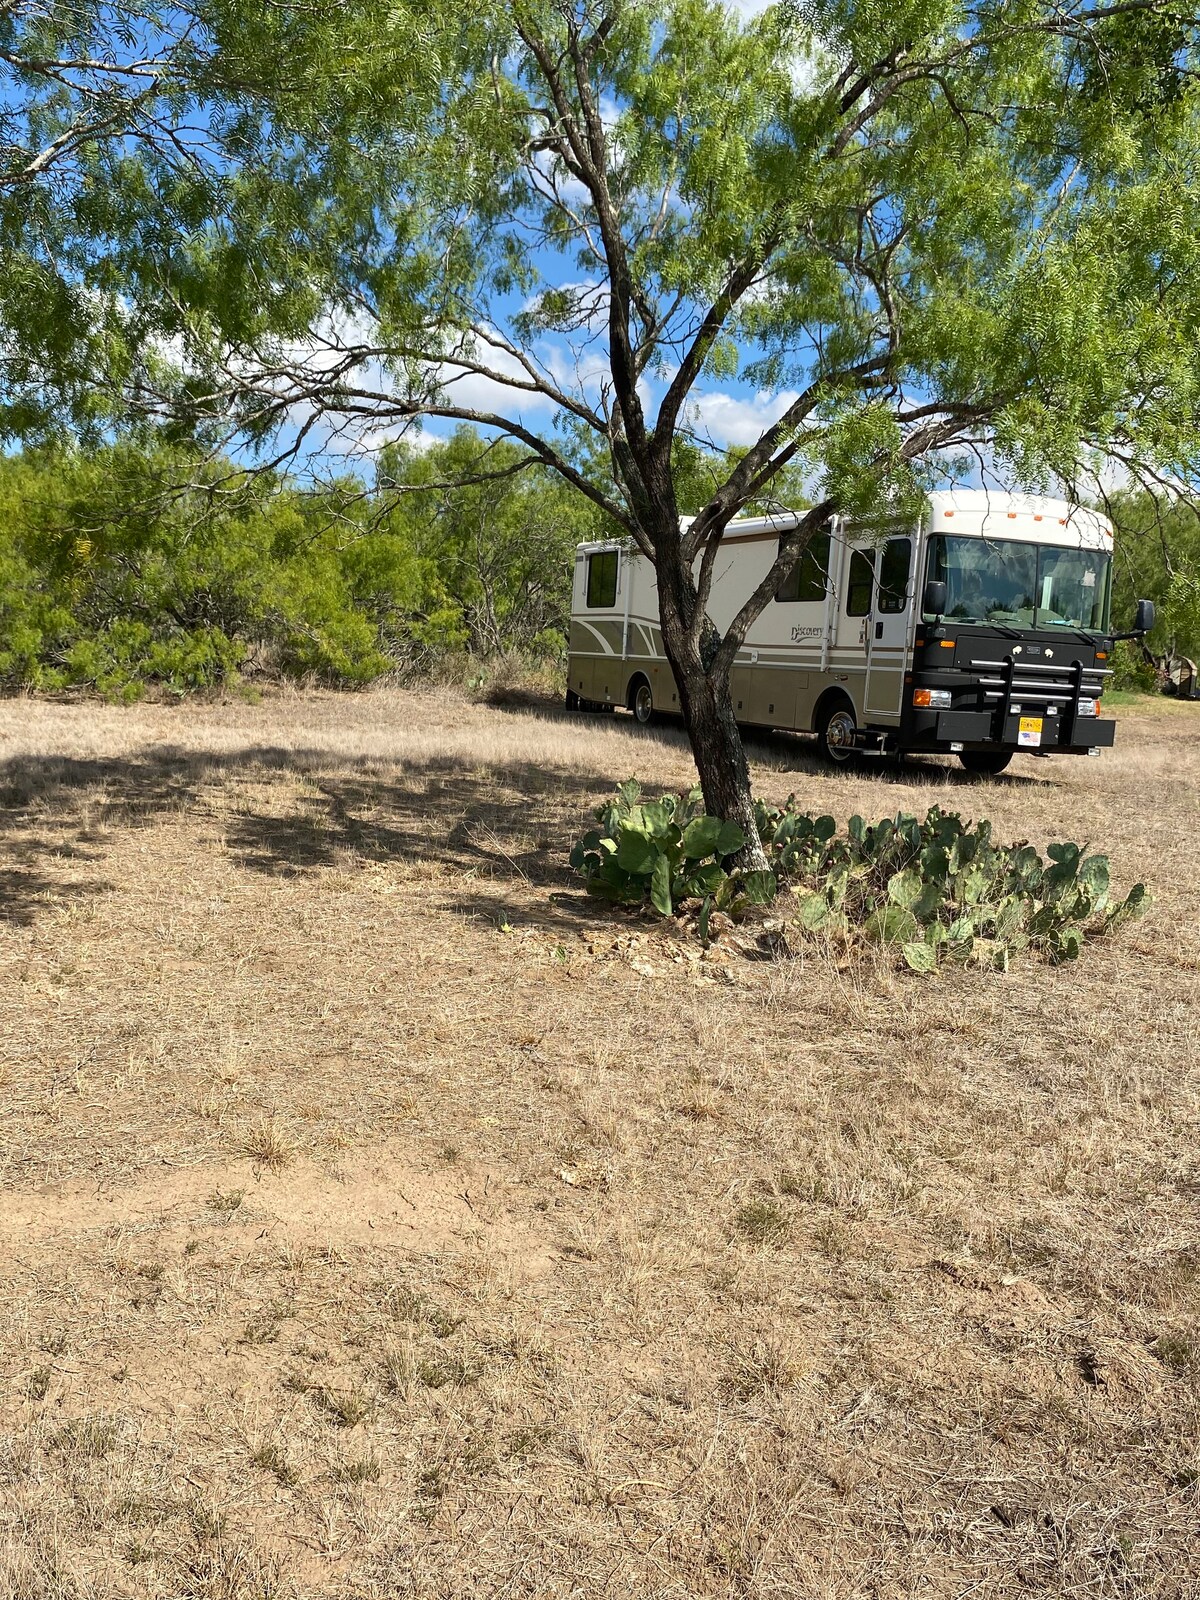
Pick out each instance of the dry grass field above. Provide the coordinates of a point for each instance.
(379, 1218)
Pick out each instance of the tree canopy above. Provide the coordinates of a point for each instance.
(105, 120)
(914, 237)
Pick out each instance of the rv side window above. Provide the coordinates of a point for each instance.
(807, 579)
(602, 580)
(858, 589)
(893, 575)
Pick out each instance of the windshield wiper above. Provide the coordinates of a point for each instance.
(1078, 632)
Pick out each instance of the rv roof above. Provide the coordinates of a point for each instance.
(974, 513)
(993, 514)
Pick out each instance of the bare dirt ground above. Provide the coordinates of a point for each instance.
(379, 1218)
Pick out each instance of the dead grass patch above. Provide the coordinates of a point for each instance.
(380, 1218)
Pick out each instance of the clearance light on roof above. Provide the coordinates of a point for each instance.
(1012, 516)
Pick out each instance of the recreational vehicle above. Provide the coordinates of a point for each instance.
(981, 629)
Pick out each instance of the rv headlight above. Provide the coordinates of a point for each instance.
(1089, 708)
(935, 699)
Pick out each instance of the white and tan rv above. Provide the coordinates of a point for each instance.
(980, 629)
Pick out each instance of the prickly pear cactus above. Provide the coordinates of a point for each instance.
(943, 889)
(666, 851)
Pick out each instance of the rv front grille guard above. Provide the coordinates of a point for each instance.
(1055, 687)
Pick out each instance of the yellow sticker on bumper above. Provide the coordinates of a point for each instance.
(1030, 731)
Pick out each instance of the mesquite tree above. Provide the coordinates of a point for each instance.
(104, 112)
(913, 231)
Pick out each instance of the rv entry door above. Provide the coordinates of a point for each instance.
(887, 629)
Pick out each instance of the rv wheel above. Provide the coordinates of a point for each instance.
(985, 763)
(837, 732)
(572, 700)
(643, 702)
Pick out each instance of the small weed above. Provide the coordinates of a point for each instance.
(406, 1305)
(397, 1369)
(54, 1344)
(266, 1144)
(832, 1238)
(1175, 1351)
(441, 1323)
(442, 1369)
(270, 1458)
(802, 1185)
(347, 1407)
(38, 1384)
(89, 1438)
(523, 1442)
(764, 1367)
(264, 1327)
(136, 1553)
(225, 1202)
(206, 1520)
(363, 1469)
(762, 1221)
(449, 1153)
(432, 1482)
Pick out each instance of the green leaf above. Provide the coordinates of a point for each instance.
(660, 886)
(1094, 877)
(1066, 945)
(928, 903)
(813, 911)
(760, 887)
(656, 818)
(636, 852)
(891, 925)
(1133, 905)
(920, 956)
(905, 888)
(700, 838)
(699, 880)
(730, 840)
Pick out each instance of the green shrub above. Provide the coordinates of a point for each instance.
(666, 851)
(938, 889)
(144, 565)
(1131, 670)
(943, 888)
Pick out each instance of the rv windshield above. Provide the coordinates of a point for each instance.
(1020, 585)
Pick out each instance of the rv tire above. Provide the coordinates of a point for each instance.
(836, 729)
(985, 763)
(572, 700)
(641, 701)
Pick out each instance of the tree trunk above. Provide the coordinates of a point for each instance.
(707, 705)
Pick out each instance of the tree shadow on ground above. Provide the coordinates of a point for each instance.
(291, 813)
(281, 811)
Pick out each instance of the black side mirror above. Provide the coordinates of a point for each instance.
(935, 598)
(1143, 619)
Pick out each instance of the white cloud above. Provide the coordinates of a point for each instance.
(728, 419)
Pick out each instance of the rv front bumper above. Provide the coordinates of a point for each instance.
(976, 730)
